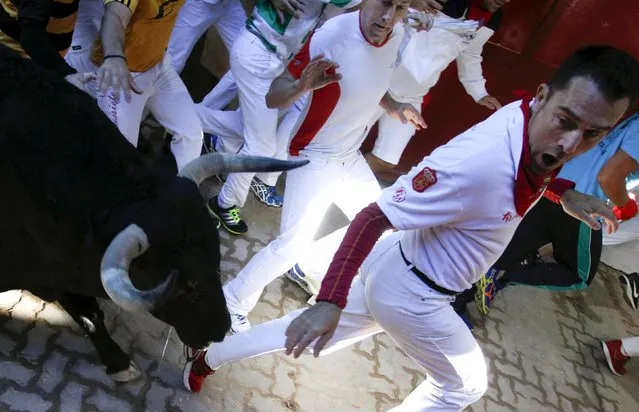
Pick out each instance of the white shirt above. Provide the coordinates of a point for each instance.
(425, 55)
(287, 38)
(463, 218)
(335, 119)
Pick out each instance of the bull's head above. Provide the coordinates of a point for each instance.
(190, 297)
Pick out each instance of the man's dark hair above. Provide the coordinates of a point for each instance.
(614, 71)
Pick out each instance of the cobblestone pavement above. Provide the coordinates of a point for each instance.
(542, 351)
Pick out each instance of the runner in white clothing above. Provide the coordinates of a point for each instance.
(333, 126)
(258, 56)
(424, 56)
(456, 212)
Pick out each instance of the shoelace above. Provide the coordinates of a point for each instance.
(490, 288)
(265, 192)
(241, 318)
(190, 357)
(234, 215)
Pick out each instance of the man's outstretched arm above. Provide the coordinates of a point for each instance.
(321, 320)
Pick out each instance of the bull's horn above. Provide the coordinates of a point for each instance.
(219, 163)
(114, 272)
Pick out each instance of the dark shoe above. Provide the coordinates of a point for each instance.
(630, 284)
(229, 218)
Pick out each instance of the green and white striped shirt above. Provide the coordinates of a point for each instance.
(287, 38)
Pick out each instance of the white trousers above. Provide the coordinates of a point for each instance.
(195, 18)
(310, 190)
(167, 98)
(620, 248)
(228, 125)
(631, 345)
(392, 137)
(254, 68)
(222, 94)
(388, 297)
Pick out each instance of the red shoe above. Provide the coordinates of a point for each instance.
(616, 359)
(195, 371)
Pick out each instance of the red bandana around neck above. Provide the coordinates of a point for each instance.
(478, 12)
(528, 186)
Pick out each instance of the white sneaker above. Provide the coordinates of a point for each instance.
(239, 323)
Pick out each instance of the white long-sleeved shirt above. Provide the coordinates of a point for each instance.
(425, 55)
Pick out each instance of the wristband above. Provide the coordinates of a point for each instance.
(114, 56)
(627, 211)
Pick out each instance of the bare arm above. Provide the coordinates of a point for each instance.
(114, 23)
(285, 90)
(114, 71)
(612, 177)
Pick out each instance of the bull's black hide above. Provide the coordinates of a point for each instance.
(69, 182)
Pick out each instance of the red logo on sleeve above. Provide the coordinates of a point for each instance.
(424, 179)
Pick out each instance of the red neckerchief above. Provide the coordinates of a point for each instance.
(478, 12)
(528, 186)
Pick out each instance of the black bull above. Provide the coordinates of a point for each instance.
(83, 216)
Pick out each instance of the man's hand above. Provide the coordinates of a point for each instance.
(587, 208)
(490, 102)
(315, 75)
(294, 8)
(80, 81)
(405, 113)
(114, 73)
(319, 321)
(429, 6)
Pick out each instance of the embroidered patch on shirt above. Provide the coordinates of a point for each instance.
(424, 179)
(399, 195)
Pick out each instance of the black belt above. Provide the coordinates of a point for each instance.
(434, 286)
